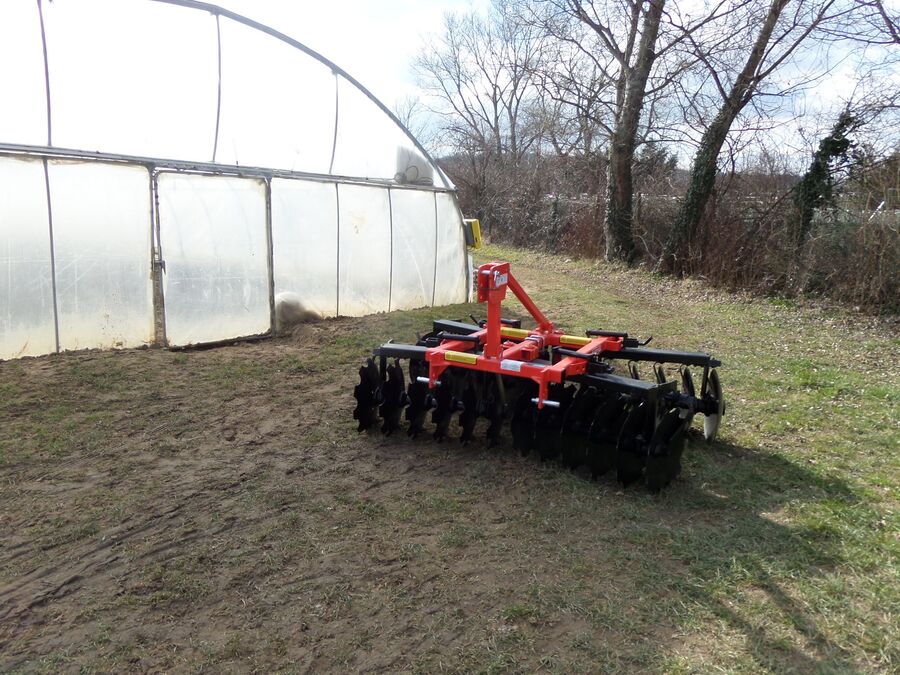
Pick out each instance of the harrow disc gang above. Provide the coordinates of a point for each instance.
(577, 399)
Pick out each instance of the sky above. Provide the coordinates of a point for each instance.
(376, 42)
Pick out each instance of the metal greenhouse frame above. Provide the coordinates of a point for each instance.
(369, 212)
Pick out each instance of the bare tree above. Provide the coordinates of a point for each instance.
(631, 48)
(620, 56)
(478, 76)
(414, 116)
(573, 101)
(779, 36)
(573, 104)
(876, 23)
(479, 73)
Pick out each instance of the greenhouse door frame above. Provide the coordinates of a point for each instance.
(159, 266)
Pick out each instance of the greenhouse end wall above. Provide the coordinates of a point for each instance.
(177, 219)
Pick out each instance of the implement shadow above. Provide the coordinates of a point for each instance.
(729, 527)
(731, 550)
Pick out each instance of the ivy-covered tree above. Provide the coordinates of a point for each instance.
(816, 188)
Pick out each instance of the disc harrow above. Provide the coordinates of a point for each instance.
(578, 399)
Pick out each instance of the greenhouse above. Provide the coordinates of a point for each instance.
(168, 168)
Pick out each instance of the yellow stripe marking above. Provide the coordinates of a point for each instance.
(574, 340)
(460, 357)
(520, 333)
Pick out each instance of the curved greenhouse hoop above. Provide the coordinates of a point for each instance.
(217, 11)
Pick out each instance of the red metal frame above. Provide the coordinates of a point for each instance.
(510, 351)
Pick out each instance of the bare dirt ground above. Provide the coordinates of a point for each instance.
(216, 510)
(222, 510)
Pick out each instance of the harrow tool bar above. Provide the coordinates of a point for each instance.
(561, 393)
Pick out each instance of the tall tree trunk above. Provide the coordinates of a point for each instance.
(703, 170)
(620, 184)
(617, 221)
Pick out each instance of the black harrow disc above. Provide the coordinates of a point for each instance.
(687, 388)
(573, 439)
(631, 450)
(603, 435)
(711, 422)
(666, 448)
(660, 374)
(494, 409)
(393, 398)
(523, 417)
(445, 405)
(687, 382)
(471, 401)
(549, 421)
(366, 394)
(417, 393)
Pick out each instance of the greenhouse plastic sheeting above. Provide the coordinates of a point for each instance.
(367, 139)
(101, 235)
(277, 104)
(26, 291)
(450, 275)
(219, 91)
(413, 239)
(365, 250)
(305, 242)
(213, 239)
(147, 88)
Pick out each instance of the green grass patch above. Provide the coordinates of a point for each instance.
(777, 550)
